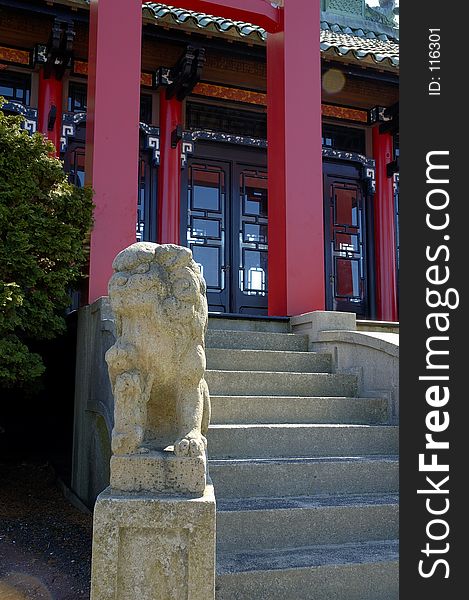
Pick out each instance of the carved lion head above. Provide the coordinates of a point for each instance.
(162, 282)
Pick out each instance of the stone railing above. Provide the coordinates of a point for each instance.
(372, 355)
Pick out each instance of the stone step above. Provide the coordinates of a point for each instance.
(360, 571)
(297, 409)
(268, 360)
(248, 340)
(269, 383)
(304, 476)
(288, 522)
(300, 440)
(245, 323)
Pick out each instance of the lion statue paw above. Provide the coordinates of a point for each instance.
(192, 444)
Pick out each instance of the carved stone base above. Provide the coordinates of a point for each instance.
(159, 472)
(150, 547)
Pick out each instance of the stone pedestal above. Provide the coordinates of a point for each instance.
(149, 546)
(160, 472)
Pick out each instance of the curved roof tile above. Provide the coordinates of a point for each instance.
(361, 47)
(159, 10)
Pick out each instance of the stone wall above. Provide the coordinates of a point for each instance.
(94, 403)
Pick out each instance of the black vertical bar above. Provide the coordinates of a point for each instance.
(234, 207)
(433, 272)
(184, 203)
(153, 227)
(370, 255)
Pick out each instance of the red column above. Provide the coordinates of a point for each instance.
(277, 251)
(169, 174)
(112, 131)
(385, 232)
(50, 95)
(296, 236)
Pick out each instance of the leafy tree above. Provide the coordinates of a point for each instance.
(43, 224)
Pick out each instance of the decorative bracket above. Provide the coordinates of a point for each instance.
(392, 168)
(69, 127)
(368, 165)
(152, 141)
(391, 123)
(70, 121)
(161, 77)
(387, 117)
(370, 179)
(56, 56)
(29, 114)
(176, 136)
(181, 79)
(377, 115)
(395, 183)
(51, 118)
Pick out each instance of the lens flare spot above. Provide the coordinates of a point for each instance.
(333, 81)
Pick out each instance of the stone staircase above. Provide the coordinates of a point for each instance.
(305, 472)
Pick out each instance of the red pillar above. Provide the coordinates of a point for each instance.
(169, 175)
(50, 95)
(385, 232)
(277, 251)
(296, 236)
(112, 131)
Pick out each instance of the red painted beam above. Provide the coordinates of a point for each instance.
(385, 230)
(112, 132)
(169, 174)
(296, 234)
(257, 12)
(50, 95)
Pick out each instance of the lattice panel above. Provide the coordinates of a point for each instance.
(206, 222)
(347, 248)
(253, 233)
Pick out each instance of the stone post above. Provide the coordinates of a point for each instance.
(154, 526)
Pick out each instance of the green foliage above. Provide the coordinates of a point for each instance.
(43, 224)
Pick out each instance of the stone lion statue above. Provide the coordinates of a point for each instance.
(157, 364)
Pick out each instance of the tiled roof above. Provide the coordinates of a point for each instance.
(361, 46)
(359, 32)
(335, 39)
(160, 12)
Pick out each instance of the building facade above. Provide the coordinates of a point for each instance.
(204, 177)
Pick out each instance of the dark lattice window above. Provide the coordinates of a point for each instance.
(15, 87)
(344, 138)
(145, 108)
(77, 101)
(77, 164)
(77, 97)
(226, 120)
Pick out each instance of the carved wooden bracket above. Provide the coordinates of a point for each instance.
(56, 56)
(181, 79)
